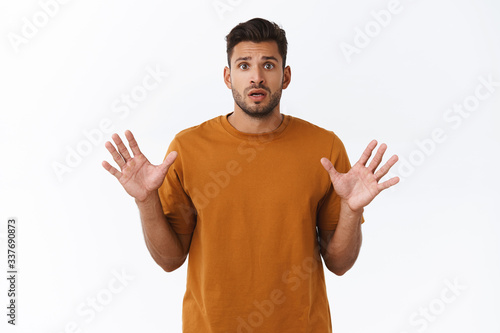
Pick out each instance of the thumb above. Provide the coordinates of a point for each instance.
(167, 162)
(329, 167)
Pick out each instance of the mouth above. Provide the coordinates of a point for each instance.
(257, 95)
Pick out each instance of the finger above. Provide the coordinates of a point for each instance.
(368, 152)
(386, 167)
(116, 156)
(168, 161)
(388, 183)
(121, 147)
(170, 158)
(377, 158)
(112, 170)
(132, 143)
(329, 167)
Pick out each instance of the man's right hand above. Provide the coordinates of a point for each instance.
(138, 176)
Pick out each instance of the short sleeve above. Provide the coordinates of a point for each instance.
(329, 209)
(176, 204)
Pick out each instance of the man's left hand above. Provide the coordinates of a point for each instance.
(360, 185)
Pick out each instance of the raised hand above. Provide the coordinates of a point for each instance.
(360, 185)
(138, 176)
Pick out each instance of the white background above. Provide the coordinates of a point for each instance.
(437, 227)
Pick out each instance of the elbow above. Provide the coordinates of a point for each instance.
(169, 268)
(340, 267)
(171, 265)
(339, 271)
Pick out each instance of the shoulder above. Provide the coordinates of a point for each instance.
(313, 130)
(320, 136)
(198, 129)
(194, 135)
(197, 132)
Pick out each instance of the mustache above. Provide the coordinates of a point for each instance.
(260, 86)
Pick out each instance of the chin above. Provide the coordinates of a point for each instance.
(258, 113)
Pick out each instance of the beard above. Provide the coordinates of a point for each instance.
(257, 110)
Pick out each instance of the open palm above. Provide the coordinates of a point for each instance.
(360, 185)
(138, 176)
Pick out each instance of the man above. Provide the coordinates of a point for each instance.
(247, 196)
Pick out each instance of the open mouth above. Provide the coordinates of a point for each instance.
(257, 95)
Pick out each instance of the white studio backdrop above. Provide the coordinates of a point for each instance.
(422, 76)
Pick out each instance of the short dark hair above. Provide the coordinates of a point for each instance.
(256, 30)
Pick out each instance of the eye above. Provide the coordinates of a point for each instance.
(243, 66)
(268, 66)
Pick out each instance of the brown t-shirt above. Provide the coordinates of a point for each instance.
(253, 202)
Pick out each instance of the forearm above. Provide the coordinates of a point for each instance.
(161, 240)
(343, 248)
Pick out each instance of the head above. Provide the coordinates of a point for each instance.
(256, 72)
(257, 30)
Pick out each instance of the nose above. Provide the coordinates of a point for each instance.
(257, 77)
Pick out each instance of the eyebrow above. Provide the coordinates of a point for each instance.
(250, 58)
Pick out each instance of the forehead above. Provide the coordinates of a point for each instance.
(256, 50)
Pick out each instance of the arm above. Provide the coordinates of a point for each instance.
(141, 180)
(340, 247)
(168, 249)
(356, 189)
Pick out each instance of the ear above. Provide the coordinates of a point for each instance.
(227, 77)
(287, 76)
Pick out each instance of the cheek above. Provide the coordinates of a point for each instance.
(238, 83)
(276, 83)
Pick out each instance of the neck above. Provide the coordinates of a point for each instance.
(248, 124)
